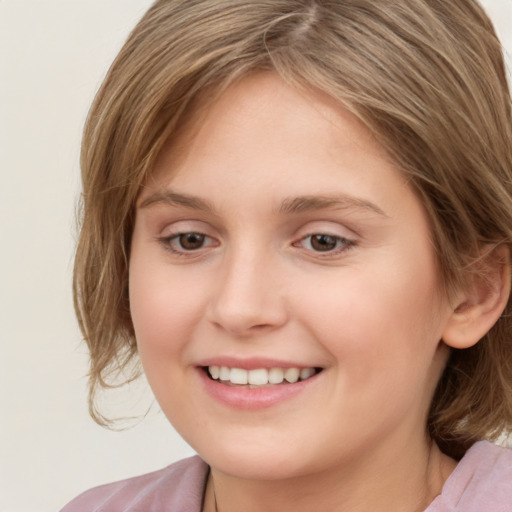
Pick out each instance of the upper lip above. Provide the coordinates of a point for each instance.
(252, 363)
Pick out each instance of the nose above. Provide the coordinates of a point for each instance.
(249, 295)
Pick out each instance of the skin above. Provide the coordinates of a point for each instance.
(368, 311)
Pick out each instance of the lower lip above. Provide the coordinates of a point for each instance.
(239, 397)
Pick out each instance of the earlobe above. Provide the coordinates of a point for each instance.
(482, 303)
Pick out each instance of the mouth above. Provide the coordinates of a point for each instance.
(259, 377)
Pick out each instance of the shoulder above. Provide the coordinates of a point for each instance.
(481, 481)
(179, 486)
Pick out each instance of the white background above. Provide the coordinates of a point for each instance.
(53, 55)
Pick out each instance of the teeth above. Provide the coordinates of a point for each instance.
(292, 375)
(260, 376)
(275, 376)
(238, 376)
(214, 372)
(305, 373)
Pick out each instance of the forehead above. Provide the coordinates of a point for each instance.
(239, 114)
(298, 150)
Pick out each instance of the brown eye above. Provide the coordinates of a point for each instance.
(324, 242)
(191, 241)
(330, 245)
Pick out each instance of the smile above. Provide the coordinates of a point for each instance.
(260, 376)
(256, 383)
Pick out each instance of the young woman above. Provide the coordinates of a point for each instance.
(298, 215)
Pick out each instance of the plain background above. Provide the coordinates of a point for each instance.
(53, 55)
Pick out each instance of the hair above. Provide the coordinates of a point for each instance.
(427, 77)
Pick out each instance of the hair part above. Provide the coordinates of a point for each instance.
(425, 76)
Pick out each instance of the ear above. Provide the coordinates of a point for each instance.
(480, 305)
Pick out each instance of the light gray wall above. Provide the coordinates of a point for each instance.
(53, 54)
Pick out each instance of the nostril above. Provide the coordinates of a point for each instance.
(246, 304)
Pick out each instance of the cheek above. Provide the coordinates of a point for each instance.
(366, 307)
(380, 322)
(383, 340)
(161, 315)
(160, 322)
(164, 300)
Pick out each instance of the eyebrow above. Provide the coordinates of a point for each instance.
(310, 203)
(298, 204)
(174, 199)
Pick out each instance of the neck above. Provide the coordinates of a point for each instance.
(402, 481)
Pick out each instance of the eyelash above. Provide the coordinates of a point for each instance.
(342, 244)
(168, 243)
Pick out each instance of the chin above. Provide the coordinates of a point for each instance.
(258, 460)
(260, 467)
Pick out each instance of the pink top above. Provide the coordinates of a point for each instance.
(481, 482)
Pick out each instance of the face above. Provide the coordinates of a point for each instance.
(283, 287)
